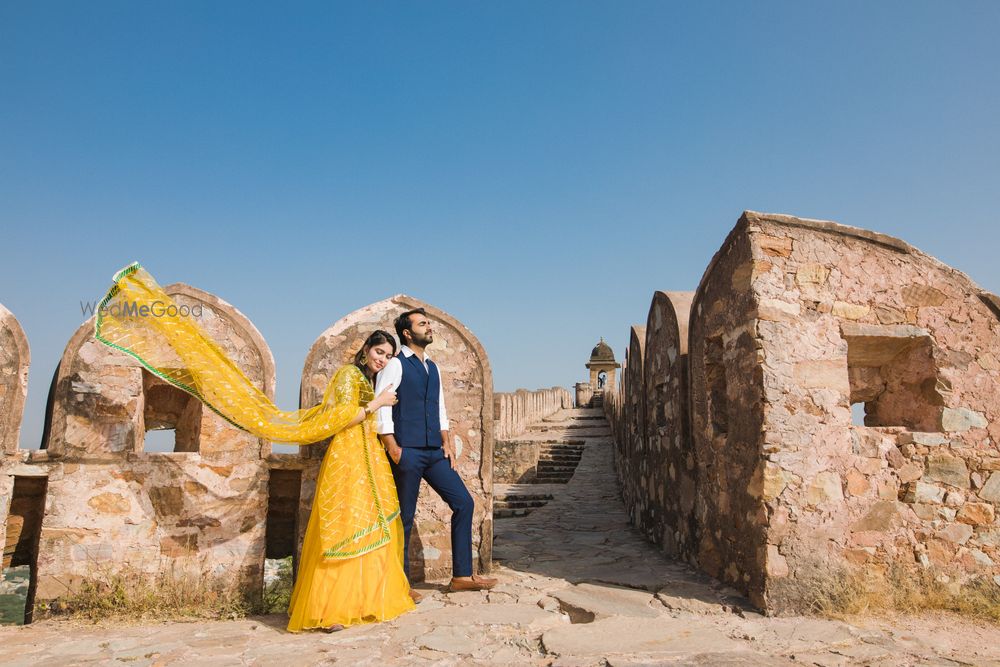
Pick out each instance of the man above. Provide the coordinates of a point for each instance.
(415, 434)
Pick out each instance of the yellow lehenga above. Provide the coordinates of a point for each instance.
(351, 565)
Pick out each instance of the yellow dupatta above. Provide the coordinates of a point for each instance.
(139, 318)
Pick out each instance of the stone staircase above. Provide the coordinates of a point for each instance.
(518, 499)
(561, 441)
(558, 461)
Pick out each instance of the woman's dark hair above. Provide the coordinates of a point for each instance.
(376, 337)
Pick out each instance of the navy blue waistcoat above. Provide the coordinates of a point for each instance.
(416, 417)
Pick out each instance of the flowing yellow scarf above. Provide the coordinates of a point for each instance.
(355, 498)
(139, 318)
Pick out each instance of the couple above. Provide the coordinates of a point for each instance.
(354, 560)
(404, 394)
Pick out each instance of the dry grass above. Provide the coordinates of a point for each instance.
(131, 595)
(855, 593)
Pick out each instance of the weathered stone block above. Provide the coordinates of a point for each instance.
(991, 489)
(958, 533)
(825, 488)
(850, 311)
(947, 470)
(976, 514)
(883, 515)
(961, 419)
(920, 438)
(922, 492)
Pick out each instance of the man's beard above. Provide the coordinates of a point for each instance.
(424, 340)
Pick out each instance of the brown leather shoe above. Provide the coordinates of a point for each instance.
(417, 597)
(477, 583)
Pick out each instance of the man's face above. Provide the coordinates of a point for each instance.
(420, 330)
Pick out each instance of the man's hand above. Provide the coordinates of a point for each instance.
(392, 448)
(449, 448)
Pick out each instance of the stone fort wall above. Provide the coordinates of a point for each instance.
(794, 322)
(94, 501)
(516, 460)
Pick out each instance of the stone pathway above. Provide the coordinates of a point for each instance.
(578, 587)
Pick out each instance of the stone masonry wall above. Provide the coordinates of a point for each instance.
(111, 505)
(727, 421)
(793, 323)
(629, 452)
(667, 476)
(468, 387)
(847, 316)
(14, 363)
(516, 461)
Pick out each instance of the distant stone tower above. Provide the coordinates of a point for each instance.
(602, 368)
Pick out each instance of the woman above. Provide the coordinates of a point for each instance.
(351, 566)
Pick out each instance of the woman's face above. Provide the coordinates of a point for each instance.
(378, 356)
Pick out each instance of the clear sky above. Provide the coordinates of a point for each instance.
(537, 169)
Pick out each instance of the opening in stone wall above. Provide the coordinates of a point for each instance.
(281, 535)
(172, 417)
(715, 381)
(20, 551)
(893, 373)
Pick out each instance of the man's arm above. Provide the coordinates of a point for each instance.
(392, 374)
(446, 442)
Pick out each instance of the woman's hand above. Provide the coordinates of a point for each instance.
(386, 398)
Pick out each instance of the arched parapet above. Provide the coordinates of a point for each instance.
(795, 322)
(468, 387)
(669, 479)
(629, 450)
(119, 501)
(104, 402)
(15, 358)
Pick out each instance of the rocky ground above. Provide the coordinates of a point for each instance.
(578, 587)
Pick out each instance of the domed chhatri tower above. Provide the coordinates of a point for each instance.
(602, 368)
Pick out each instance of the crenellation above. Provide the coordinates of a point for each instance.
(793, 323)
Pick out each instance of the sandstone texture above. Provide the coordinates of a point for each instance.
(768, 483)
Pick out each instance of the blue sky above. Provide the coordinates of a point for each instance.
(536, 169)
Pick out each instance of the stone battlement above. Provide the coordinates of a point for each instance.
(735, 442)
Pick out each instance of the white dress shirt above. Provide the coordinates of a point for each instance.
(392, 374)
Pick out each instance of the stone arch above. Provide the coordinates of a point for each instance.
(630, 449)
(669, 483)
(99, 398)
(113, 505)
(15, 358)
(468, 381)
(721, 359)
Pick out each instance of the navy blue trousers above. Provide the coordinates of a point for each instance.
(417, 464)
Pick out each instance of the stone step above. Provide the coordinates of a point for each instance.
(551, 468)
(509, 514)
(517, 505)
(523, 497)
